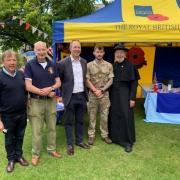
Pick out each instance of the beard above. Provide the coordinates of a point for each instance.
(119, 60)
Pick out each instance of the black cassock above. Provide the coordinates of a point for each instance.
(121, 117)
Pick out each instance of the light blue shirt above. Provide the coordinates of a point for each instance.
(9, 74)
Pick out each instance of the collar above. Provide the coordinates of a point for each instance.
(47, 60)
(99, 61)
(41, 62)
(72, 59)
(9, 74)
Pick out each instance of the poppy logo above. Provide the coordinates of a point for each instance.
(136, 56)
(157, 17)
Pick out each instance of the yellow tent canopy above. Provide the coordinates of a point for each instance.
(124, 21)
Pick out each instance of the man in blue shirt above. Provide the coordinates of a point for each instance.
(41, 81)
(13, 116)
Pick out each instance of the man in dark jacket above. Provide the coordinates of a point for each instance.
(72, 72)
(13, 102)
(123, 94)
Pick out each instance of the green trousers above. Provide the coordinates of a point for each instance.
(42, 111)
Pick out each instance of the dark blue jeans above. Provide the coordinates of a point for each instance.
(75, 111)
(15, 125)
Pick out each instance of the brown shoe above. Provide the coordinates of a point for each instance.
(22, 162)
(35, 160)
(10, 166)
(107, 140)
(55, 154)
(91, 140)
(70, 150)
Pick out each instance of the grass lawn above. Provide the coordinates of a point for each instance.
(156, 156)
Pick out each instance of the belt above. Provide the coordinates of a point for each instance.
(34, 96)
(78, 93)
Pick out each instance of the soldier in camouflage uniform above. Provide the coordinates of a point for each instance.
(99, 78)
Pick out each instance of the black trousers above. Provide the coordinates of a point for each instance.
(75, 111)
(15, 125)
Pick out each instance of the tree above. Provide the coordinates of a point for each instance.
(105, 2)
(63, 9)
(14, 35)
(40, 14)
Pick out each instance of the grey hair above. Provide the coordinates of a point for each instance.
(8, 53)
(39, 42)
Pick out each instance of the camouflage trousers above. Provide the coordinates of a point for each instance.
(102, 105)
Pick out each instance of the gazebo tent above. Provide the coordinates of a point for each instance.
(125, 21)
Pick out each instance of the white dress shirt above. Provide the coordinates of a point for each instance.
(78, 75)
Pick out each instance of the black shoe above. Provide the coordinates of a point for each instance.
(128, 148)
(83, 145)
(22, 162)
(10, 166)
(70, 150)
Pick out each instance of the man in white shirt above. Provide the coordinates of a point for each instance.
(72, 71)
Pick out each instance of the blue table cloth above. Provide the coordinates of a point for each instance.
(162, 113)
(168, 103)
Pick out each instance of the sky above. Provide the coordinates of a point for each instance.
(100, 1)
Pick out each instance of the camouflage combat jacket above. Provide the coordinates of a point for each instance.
(99, 73)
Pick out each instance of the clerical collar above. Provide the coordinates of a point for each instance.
(9, 74)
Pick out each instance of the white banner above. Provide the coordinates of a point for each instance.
(45, 35)
(40, 33)
(34, 29)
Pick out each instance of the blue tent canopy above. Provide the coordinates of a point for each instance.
(124, 21)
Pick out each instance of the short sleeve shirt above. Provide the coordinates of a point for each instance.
(41, 77)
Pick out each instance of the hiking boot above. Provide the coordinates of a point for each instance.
(91, 140)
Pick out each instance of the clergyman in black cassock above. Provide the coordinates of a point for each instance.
(123, 94)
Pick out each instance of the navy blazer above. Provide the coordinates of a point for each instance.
(66, 75)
